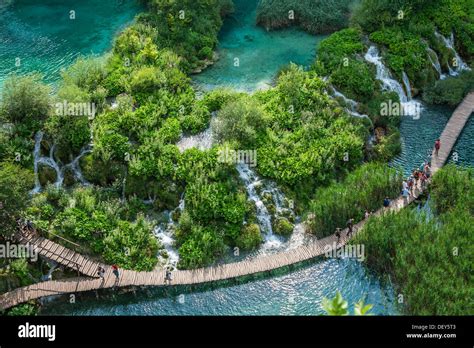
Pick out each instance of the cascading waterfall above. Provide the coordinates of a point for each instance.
(352, 103)
(406, 82)
(449, 43)
(347, 100)
(165, 234)
(51, 162)
(251, 181)
(384, 75)
(410, 107)
(434, 59)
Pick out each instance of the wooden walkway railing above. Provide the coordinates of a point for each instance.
(267, 263)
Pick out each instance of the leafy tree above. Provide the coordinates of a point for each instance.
(240, 121)
(26, 100)
(15, 184)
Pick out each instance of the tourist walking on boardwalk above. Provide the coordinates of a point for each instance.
(101, 272)
(427, 170)
(367, 214)
(416, 175)
(411, 185)
(406, 195)
(423, 178)
(338, 234)
(437, 146)
(404, 185)
(115, 271)
(350, 227)
(386, 203)
(168, 277)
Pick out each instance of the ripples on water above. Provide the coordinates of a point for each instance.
(260, 53)
(418, 137)
(45, 39)
(297, 293)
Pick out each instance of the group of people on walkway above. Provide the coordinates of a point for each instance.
(115, 271)
(418, 178)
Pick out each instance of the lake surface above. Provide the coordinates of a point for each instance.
(299, 292)
(41, 36)
(45, 39)
(250, 56)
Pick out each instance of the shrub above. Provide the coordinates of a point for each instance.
(452, 188)
(450, 91)
(15, 184)
(282, 226)
(26, 100)
(132, 245)
(201, 248)
(342, 44)
(364, 189)
(314, 16)
(240, 121)
(355, 80)
(250, 237)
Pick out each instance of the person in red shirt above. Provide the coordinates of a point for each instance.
(115, 271)
(437, 146)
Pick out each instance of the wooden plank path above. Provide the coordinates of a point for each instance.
(262, 264)
(452, 131)
(56, 252)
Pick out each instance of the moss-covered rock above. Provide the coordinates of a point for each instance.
(250, 237)
(282, 226)
(46, 175)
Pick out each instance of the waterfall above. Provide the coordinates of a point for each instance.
(434, 59)
(384, 75)
(347, 100)
(352, 103)
(449, 43)
(264, 218)
(74, 165)
(406, 82)
(51, 162)
(201, 141)
(165, 233)
(410, 107)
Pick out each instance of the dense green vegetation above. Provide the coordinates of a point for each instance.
(406, 28)
(99, 222)
(430, 258)
(26, 309)
(450, 91)
(15, 184)
(144, 101)
(364, 189)
(314, 16)
(308, 137)
(340, 59)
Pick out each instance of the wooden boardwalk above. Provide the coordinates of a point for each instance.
(267, 263)
(452, 131)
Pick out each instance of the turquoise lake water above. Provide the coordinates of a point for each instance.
(249, 56)
(44, 38)
(46, 41)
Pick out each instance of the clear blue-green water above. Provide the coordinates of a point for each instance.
(43, 37)
(419, 135)
(250, 57)
(298, 292)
